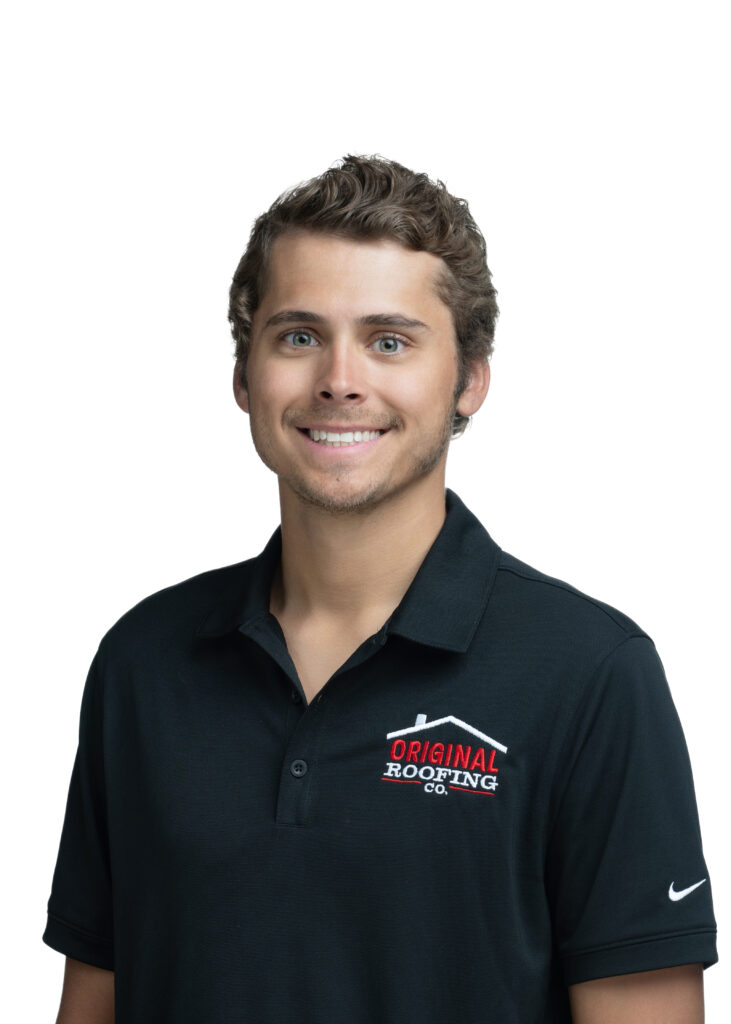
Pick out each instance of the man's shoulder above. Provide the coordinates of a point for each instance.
(181, 609)
(521, 600)
(557, 608)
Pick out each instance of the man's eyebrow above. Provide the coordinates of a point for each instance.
(294, 316)
(390, 320)
(303, 316)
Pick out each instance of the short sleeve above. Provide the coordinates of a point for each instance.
(80, 906)
(627, 882)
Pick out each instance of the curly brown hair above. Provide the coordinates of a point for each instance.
(371, 198)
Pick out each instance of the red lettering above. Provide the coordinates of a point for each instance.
(423, 753)
(413, 751)
(398, 749)
(449, 754)
(491, 763)
(478, 761)
(436, 753)
(461, 756)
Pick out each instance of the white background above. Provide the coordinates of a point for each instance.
(141, 140)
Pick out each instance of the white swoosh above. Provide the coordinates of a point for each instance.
(683, 892)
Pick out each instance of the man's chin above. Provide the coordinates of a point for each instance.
(338, 500)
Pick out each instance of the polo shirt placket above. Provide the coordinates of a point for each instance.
(302, 751)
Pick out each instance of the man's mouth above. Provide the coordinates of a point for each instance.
(341, 439)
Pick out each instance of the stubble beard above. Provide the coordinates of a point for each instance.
(365, 499)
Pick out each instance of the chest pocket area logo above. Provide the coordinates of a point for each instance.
(445, 756)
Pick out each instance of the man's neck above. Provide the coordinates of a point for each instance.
(354, 565)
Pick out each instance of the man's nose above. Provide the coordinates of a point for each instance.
(342, 376)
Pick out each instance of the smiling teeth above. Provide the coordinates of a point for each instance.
(335, 440)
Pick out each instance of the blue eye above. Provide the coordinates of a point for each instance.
(299, 339)
(389, 345)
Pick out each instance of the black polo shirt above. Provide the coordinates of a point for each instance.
(490, 800)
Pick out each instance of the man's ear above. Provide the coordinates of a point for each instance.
(240, 392)
(475, 391)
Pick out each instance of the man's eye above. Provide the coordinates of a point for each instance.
(299, 339)
(388, 345)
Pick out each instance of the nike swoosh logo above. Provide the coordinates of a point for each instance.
(674, 895)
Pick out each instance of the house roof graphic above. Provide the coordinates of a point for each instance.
(421, 723)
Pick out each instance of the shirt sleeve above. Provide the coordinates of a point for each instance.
(627, 882)
(80, 906)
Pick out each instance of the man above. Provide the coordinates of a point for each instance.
(385, 771)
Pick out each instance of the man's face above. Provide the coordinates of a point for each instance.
(351, 343)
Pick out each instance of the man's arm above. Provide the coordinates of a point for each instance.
(671, 996)
(88, 995)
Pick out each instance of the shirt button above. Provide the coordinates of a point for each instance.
(298, 768)
(295, 697)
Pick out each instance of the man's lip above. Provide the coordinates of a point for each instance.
(350, 427)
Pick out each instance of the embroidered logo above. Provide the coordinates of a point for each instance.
(417, 755)
(674, 895)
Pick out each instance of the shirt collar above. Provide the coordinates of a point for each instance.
(449, 594)
(249, 595)
(442, 607)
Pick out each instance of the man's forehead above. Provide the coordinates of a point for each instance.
(366, 278)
